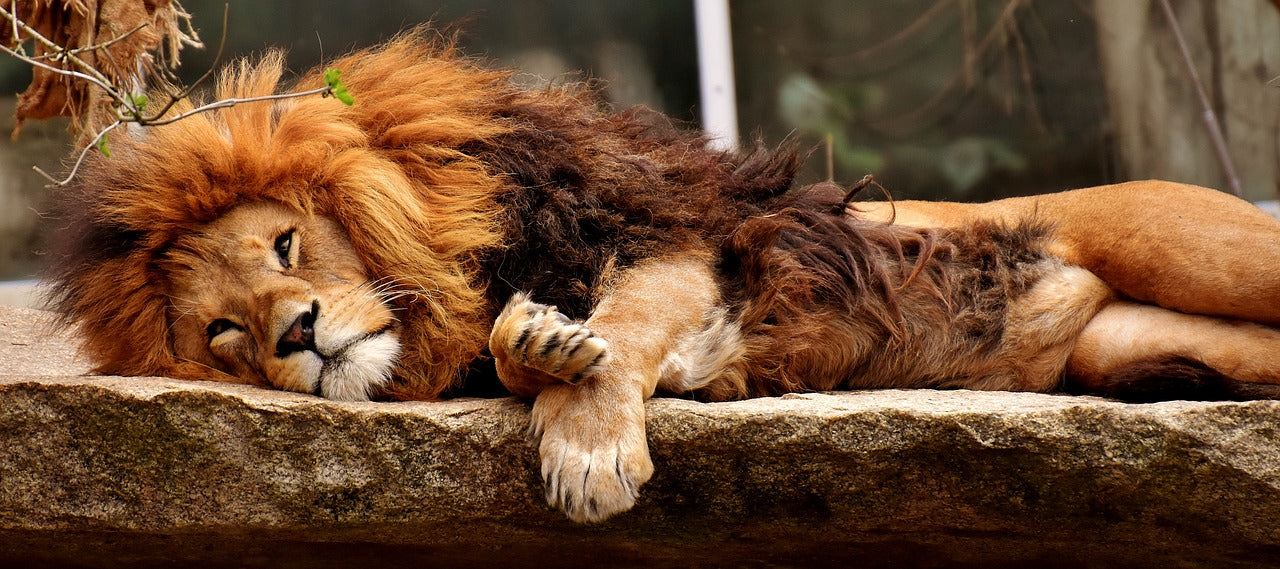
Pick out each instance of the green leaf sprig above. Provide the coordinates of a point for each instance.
(333, 78)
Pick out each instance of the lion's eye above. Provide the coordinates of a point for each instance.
(217, 327)
(284, 246)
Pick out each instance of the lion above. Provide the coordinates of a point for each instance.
(451, 228)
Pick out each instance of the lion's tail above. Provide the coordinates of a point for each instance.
(1173, 379)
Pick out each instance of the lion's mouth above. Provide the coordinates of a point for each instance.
(358, 367)
(337, 353)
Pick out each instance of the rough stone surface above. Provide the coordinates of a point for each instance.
(137, 472)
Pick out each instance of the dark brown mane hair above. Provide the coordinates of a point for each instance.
(823, 298)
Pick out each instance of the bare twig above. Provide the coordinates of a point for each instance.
(58, 70)
(1028, 78)
(88, 72)
(831, 162)
(131, 111)
(217, 59)
(13, 7)
(219, 104)
(105, 44)
(1210, 118)
(129, 108)
(1006, 18)
(50, 45)
(896, 40)
(79, 159)
(225, 103)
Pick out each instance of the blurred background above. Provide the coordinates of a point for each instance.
(939, 99)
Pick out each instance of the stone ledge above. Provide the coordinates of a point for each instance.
(94, 467)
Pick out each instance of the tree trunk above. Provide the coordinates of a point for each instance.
(1156, 117)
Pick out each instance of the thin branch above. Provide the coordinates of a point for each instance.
(830, 154)
(106, 44)
(896, 40)
(80, 159)
(217, 59)
(1028, 78)
(129, 109)
(225, 103)
(61, 71)
(110, 90)
(13, 6)
(1007, 17)
(90, 74)
(1210, 118)
(52, 46)
(221, 104)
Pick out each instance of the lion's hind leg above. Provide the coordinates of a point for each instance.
(1140, 352)
(534, 346)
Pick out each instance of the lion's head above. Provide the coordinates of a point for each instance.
(280, 298)
(299, 243)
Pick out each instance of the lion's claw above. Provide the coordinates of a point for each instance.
(592, 474)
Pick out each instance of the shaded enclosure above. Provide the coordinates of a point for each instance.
(940, 99)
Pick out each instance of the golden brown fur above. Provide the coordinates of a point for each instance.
(1119, 232)
(450, 219)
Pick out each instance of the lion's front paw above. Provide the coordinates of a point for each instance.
(593, 461)
(540, 337)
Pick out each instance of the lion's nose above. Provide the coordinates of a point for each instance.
(300, 336)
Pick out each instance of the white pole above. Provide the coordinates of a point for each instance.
(715, 72)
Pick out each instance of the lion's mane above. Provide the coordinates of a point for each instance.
(450, 181)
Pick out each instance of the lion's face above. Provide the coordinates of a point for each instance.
(277, 297)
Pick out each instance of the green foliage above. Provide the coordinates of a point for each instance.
(102, 146)
(332, 78)
(139, 102)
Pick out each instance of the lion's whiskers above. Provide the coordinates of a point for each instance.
(183, 306)
(392, 288)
